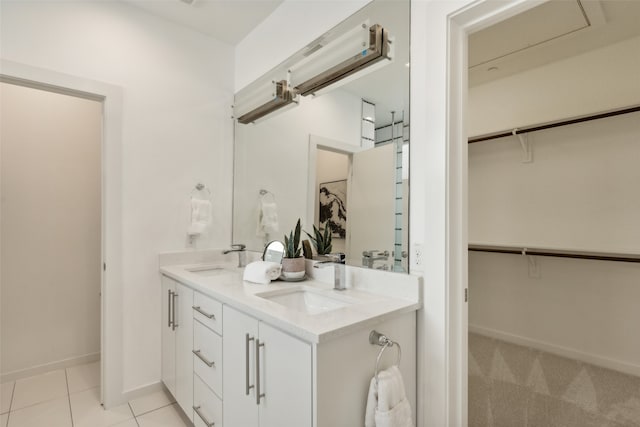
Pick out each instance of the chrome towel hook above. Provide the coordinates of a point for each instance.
(376, 338)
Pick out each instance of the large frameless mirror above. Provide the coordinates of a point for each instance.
(335, 155)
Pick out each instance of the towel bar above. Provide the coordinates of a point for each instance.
(377, 338)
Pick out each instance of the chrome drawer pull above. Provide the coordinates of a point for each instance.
(169, 299)
(258, 394)
(204, 313)
(209, 424)
(246, 361)
(201, 357)
(173, 311)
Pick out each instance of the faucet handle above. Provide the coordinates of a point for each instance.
(238, 246)
(339, 257)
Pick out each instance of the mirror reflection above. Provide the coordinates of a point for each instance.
(337, 158)
(273, 252)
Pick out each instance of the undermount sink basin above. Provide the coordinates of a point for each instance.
(306, 300)
(207, 270)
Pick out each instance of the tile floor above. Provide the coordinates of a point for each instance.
(70, 398)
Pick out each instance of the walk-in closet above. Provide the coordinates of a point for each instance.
(554, 217)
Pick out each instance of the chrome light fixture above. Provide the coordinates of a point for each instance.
(379, 48)
(281, 96)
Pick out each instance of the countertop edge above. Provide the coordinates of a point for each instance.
(398, 306)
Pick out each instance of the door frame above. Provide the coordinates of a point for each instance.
(111, 216)
(460, 24)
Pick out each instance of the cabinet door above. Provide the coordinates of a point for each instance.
(168, 336)
(184, 348)
(286, 379)
(240, 333)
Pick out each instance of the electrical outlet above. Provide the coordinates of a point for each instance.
(417, 254)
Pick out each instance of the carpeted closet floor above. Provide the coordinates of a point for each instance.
(514, 386)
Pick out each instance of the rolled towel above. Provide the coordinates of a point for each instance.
(262, 272)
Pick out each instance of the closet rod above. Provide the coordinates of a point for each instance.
(554, 124)
(556, 253)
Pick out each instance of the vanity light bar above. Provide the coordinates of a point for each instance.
(283, 96)
(379, 47)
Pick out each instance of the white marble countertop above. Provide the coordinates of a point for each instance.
(366, 308)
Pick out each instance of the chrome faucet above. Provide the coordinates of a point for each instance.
(339, 271)
(242, 253)
(369, 257)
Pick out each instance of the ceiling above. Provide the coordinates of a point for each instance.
(226, 20)
(550, 32)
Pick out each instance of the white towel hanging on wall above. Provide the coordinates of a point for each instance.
(267, 214)
(387, 404)
(201, 210)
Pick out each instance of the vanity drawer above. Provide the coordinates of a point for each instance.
(207, 348)
(208, 311)
(207, 407)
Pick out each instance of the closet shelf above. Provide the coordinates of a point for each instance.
(554, 124)
(518, 250)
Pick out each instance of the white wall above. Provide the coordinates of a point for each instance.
(580, 192)
(178, 88)
(595, 81)
(51, 200)
(583, 309)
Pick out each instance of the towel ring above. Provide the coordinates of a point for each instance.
(377, 338)
(264, 193)
(201, 187)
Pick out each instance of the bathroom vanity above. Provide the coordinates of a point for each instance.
(283, 354)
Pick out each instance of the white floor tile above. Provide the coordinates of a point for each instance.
(53, 413)
(83, 377)
(6, 392)
(151, 402)
(38, 389)
(169, 416)
(3, 420)
(87, 411)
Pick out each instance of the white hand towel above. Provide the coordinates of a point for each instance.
(267, 218)
(387, 405)
(200, 216)
(262, 272)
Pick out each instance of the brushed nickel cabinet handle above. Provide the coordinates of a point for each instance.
(169, 299)
(258, 394)
(175, 324)
(246, 353)
(204, 359)
(202, 417)
(204, 313)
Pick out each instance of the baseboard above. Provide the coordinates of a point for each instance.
(48, 367)
(144, 390)
(616, 365)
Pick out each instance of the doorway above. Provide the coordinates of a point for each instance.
(550, 341)
(51, 234)
(111, 375)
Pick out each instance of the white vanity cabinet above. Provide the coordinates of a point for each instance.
(177, 342)
(267, 375)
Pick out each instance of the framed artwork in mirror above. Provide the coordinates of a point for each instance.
(333, 207)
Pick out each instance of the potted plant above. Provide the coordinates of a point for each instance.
(321, 241)
(293, 266)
